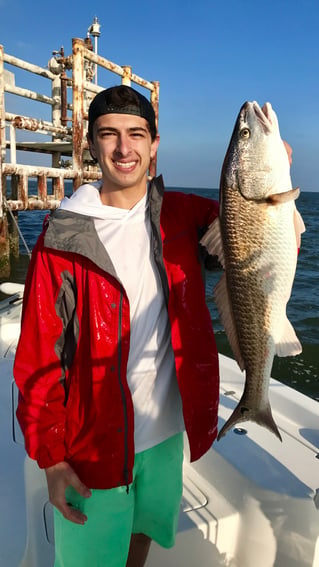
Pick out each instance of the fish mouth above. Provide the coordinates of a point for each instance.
(264, 115)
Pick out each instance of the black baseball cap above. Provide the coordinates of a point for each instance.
(122, 99)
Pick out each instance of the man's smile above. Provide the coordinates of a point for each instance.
(124, 164)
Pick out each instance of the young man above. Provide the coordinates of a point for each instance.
(117, 354)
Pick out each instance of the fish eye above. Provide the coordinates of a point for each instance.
(245, 133)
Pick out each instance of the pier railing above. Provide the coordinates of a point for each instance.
(61, 124)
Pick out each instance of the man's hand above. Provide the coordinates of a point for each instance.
(59, 477)
(288, 150)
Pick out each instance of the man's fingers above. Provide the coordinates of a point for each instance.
(288, 150)
(70, 512)
(59, 478)
(79, 486)
(73, 514)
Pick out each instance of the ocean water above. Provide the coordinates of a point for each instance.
(300, 372)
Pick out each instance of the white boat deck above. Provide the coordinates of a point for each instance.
(250, 501)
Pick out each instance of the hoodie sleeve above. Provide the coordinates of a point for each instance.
(38, 367)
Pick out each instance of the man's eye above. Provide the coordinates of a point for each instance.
(106, 134)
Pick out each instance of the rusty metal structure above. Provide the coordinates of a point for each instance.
(72, 84)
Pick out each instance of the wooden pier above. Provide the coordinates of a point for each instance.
(50, 147)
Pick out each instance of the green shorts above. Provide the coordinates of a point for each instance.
(151, 507)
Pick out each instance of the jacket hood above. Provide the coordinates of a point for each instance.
(85, 201)
(71, 227)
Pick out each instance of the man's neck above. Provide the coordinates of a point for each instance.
(122, 198)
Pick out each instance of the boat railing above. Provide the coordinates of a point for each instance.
(67, 127)
(43, 131)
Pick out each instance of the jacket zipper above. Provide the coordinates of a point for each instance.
(157, 254)
(119, 365)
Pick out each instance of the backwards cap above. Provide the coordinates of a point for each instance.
(122, 100)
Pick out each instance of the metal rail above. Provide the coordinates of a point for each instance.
(69, 92)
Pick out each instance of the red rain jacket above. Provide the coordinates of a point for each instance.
(70, 365)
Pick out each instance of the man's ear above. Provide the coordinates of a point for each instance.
(91, 147)
(154, 146)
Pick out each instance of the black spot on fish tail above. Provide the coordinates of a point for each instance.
(243, 413)
(243, 410)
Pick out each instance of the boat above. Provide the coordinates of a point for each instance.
(250, 501)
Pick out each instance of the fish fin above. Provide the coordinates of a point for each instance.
(279, 198)
(243, 413)
(289, 344)
(299, 227)
(221, 297)
(212, 240)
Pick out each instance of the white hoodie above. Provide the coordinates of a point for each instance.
(126, 235)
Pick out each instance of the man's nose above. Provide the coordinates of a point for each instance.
(123, 145)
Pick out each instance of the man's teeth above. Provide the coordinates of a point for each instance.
(125, 165)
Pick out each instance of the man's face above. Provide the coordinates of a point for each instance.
(123, 146)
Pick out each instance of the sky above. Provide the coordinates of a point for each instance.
(209, 57)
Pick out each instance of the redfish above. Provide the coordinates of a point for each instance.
(256, 238)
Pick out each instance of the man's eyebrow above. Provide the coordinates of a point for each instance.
(138, 129)
(115, 130)
(106, 128)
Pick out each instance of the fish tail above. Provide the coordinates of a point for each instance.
(243, 413)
